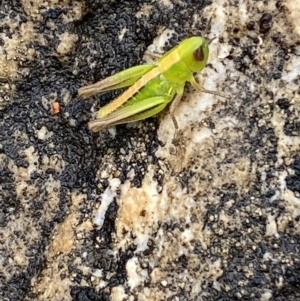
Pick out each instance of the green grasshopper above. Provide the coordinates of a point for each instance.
(152, 86)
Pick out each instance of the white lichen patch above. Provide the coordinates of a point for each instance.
(293, 15)
(14, 49)
(67, 43)
(106, 199)
(63, 241)
(139, 213)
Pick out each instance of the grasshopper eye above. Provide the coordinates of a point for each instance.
(198, 54)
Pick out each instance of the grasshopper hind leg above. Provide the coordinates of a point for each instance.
(130, 112)
(153, 55)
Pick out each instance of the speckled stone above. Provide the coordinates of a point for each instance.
(131, 213)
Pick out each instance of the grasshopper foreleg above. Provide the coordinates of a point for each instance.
(201, 89)
(173, 106)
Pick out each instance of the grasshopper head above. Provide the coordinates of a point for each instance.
(194, 52)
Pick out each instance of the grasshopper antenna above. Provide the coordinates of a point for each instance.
(206, 31)
(207, 27)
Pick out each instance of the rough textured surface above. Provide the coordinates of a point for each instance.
(127, 214)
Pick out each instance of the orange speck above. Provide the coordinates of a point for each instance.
(55, 107)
